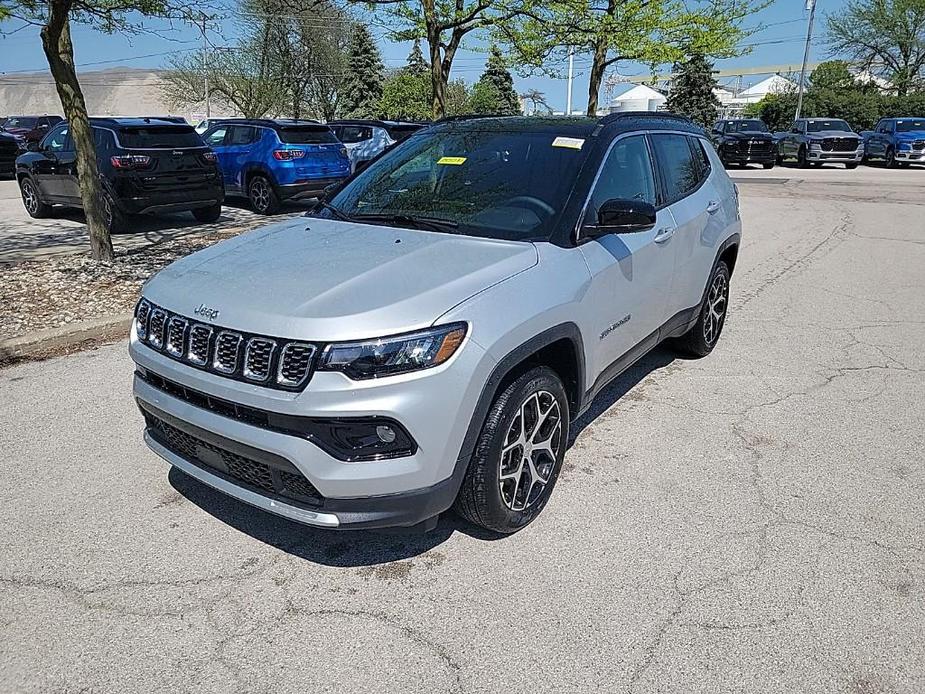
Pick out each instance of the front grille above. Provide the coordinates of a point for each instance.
(272, 362)
(258, 355)
(840, 144)
(281, 478)
(755, 146)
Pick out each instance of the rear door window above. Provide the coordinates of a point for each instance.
(679, 170)
(307, 135)
(241, 135)
(700, 156)
(160, 137)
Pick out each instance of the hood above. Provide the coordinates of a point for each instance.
(910, 135)
(326, 280)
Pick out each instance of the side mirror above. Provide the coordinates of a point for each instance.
(621, 217)
(32, 146)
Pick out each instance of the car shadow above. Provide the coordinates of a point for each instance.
(357, 548)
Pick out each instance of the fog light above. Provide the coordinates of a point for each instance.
(360, 439)
(385, 433)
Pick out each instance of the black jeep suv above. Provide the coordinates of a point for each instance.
(146, 165)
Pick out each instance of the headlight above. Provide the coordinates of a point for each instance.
(815, 145)
(394, 355)
(905, 145)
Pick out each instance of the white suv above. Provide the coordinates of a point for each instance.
(424, 337)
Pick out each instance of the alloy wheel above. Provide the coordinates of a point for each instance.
(716, 309)
(29, 197)
(531, 448)
(260, 194)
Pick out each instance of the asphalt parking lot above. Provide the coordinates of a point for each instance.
(750, 522)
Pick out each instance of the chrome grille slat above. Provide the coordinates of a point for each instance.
(176, 335)
(258, 355)
(227, 346)
(199, 338)
(271, 362)
(156, 325)
(295, 363)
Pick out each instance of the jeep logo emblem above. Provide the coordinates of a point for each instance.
(206, 312)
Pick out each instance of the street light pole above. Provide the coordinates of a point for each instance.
(205, 65)
(571, 75)
(811, 6)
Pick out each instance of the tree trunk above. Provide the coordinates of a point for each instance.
(598, 65)
(56, 42)
(437, 78)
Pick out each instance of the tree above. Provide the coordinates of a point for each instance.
(494, 92)
(538, 100)
(886, 37)
(653, 32)
(444, 25)
(692, 92)
(832, 74)
(55, 17)
(407, 92)
(363, 82)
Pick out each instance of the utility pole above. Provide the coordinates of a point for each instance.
(205, 64)
(571, 76)
(811, 6)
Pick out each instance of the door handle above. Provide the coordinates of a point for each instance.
(712, 206)
(664, 234)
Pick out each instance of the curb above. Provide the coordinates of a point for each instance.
(67, 338)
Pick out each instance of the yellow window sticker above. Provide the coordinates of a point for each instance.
(569, 142)
(451, 161)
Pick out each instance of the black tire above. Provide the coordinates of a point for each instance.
(851, 165)
(113, 217)
(700, 340)
(890, 158)
(802, 162)
(262, 195)
(208, 215)
(32, 200)
(768, 165)
(487, 500)
(817, 164)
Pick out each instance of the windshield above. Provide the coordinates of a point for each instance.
(504, 185)
(907, 126)
(741, 126)
(818, 126)
(159, 136)
(20, 122)
(307, 135)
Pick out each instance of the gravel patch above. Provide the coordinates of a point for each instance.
(54, 292)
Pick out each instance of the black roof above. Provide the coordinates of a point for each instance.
(269, 122)
(372, 121)
(137, 122)
(579, 126)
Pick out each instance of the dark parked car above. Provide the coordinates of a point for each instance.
(818, 141)
(269, 161)
(898, 141)
(146, 165)
(29, 128)
(744, 141)
(10, 148)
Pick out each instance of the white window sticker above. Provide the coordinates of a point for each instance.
(568, 142)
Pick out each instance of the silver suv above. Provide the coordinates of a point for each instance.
(424, 337)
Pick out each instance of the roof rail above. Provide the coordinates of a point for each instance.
(659, 115)
(470, 116)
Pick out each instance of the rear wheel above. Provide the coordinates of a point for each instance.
(518, 455)
(112, 216)
(207, 215)
(700, 340)
(32, 201)
(262, 195)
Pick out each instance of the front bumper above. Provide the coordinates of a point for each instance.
(435, 406)
(910, 155)
(835, 157)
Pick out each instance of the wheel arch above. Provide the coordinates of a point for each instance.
(254, 169)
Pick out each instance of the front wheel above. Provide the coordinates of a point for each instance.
(208, 215)
(32, 201)
(262, 196)
(890, 158)
(700, 340)
(768, 165)
(851, 165)
(518, 455)
(802, 161)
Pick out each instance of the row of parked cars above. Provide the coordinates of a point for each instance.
(163, 164)
(818, 141)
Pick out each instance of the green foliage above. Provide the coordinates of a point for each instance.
(406, 95)
(647, 31)
(692, 93)
(862, 108)
(362, 86)
(833, 74)
(417, 65)
(494, 93)
(887, 37)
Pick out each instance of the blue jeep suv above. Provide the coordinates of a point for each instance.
(269, 161)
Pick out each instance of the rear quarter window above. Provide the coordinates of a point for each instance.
(307, 135)
(160, 137)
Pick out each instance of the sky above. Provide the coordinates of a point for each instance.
(780, 42)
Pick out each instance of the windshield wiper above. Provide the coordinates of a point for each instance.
(415, 221)
(336, 211)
